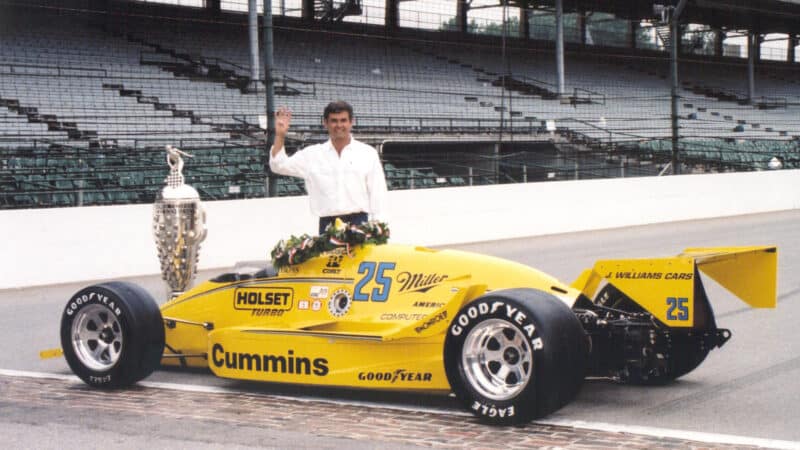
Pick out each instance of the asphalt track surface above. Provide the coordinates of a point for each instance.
(750, 388)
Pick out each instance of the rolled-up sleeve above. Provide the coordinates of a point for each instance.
(283, 164)
(376, 186)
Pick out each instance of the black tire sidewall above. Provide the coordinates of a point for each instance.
(134, 310)
(148, 325)
(556, 339)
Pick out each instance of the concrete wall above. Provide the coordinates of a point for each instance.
(48, 246)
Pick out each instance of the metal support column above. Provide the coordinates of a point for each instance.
(524, 23)
(272, 182)
(560, 46)
(675, 42)
(752, 54)
(392, 19)
(252, 26)
(307, 10)
(675, 39)
(461, 15)
(213, 7)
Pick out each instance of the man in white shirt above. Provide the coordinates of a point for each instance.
(344, 177)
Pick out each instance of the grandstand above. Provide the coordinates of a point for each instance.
(91, 91)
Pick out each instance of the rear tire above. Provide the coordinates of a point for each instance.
(112, 334)
(515, 355)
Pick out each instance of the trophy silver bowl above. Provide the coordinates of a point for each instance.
(179, 226)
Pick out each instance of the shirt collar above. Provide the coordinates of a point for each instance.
(329, 144)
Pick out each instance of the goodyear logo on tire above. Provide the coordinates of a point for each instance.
(273, 298)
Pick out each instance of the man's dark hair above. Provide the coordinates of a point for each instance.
(337, 107)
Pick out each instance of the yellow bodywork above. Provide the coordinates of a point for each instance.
(51, 353)
(377, 317)
(300, 327)
(666, 287)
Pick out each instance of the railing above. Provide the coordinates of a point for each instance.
(536, 82)
(155, 58)
(588, 96)
(46, 70)
(764, 102)
(723, 93)
(209, 60)
(237, 172)
(286, 80)
(429, 124)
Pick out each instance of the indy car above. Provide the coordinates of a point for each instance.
(511, 342)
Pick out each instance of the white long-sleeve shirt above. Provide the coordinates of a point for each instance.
(337, 185)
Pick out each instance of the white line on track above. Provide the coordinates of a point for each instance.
(712, 438)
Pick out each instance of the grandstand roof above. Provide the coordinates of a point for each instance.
(768, 16)
(765, 16)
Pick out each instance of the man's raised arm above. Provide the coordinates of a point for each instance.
(283, 118)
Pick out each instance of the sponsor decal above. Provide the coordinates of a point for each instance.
(263, 302)
(92, 297)
(263, 298)
(340, 303)
(431, 322)
(267, 312)
(403, 316)
(100, 380)
(635, 275)
(678, 276)
(428, 304)
(258, 362)
(650, 275)
(319, 292)
(315, 305)
(395, 376)
(497, 308)
(492, 410)
(334, 261)
(418, 282)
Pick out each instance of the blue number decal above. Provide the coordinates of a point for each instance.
(679, 305)
(380, 295)
(369, 268)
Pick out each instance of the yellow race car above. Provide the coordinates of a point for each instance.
(511, 342)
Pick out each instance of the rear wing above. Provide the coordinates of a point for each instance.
(669, 288)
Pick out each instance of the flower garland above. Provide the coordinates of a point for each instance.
(298, 249)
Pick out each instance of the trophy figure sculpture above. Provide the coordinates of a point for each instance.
(179, 226)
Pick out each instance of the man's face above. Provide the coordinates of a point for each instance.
(338, 125)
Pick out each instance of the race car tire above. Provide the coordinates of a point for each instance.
(112, 334)
(514, 355)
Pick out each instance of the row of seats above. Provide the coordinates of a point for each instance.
(387, 79)
(746, 154)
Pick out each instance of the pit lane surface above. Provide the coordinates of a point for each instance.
(748, 388)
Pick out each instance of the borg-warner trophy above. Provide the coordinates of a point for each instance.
(179, 226)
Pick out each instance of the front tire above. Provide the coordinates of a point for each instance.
(112, 334)
(515, 355)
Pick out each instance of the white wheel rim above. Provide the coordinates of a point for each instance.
(497, 359)
(97, 337)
